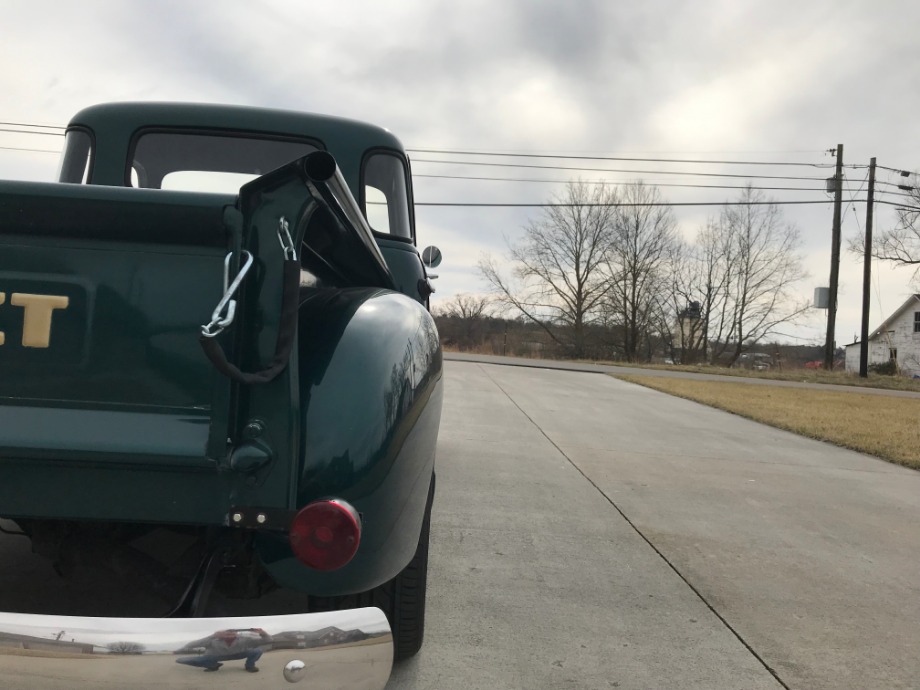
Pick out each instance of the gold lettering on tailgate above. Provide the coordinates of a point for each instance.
(36, 324)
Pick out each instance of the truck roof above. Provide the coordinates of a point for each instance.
(109, 117)
(115, 128)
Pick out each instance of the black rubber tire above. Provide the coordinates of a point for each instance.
(402, 599)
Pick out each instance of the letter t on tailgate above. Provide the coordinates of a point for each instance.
(36, 325)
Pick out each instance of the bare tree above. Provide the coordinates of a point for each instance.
(125, 648)
(466, 315)
(559, 265)
(900, 244)
(466, 307)
(699, 291)
(761, 265)
(642, 250)
(688, 338)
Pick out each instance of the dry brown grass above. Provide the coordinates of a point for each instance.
(837, 378)
(885, 426)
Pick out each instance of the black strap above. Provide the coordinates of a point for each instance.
(287, 329)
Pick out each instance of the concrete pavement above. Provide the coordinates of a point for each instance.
(536, 581)
(589, 533)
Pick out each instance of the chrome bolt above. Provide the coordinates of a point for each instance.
(237, 517)
(295, 671)
(261, 518)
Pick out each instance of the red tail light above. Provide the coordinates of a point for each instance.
(325, 534)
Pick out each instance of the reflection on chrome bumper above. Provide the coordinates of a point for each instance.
(350, 649)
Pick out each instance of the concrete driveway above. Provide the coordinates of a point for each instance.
(589, 533)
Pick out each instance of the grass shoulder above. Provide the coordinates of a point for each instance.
(838, 378)
(880, 425)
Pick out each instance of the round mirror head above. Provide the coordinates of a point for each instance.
(431, 257)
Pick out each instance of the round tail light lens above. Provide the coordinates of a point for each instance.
(325, 534)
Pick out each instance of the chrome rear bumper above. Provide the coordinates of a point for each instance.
(350, 649)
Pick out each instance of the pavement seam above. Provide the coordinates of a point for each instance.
(654, 548)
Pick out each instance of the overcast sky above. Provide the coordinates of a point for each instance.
(732, 79)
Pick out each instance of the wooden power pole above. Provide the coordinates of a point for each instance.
(835, 264)
(867, 276)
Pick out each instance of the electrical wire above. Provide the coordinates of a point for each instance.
(901, 171)
(16, 148)
(22, 131)
(618, 205)
(29, 124)
(899, 205)
(625, 184)
(614, 158)
(894, 184)
(645, 172)
(852, 204)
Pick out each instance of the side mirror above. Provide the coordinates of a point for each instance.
(431, 257)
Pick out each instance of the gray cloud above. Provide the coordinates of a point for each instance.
(716, 77)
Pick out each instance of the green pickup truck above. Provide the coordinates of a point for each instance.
(214, 337)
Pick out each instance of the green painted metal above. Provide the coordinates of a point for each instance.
(123, 406)
(371, 390)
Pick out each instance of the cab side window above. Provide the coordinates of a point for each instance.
(384, 192)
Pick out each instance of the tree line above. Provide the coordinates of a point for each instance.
(604, 272)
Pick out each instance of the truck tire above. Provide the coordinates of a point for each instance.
(402, 600)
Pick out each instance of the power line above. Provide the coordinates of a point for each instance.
(901, 171)
(651, 172)
(900, 206)
(852, 203)
(797, 337)
(623, 205)
(615, 158)
(612, 182)
(24, 131)
(892, 184)
(16, 148)
(28, 124)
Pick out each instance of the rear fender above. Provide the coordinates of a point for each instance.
(371, 390)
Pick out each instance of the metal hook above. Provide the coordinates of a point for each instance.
(224, 313)
(287, 242)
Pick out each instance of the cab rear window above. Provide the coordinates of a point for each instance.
(207, 162)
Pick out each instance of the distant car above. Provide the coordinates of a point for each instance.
(816, 364)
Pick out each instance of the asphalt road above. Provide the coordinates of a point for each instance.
(589, 533)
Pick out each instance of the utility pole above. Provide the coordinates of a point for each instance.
(835, 264)
(867, 275)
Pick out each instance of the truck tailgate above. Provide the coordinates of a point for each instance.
(102, 294)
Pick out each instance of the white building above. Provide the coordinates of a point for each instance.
(898, 338)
